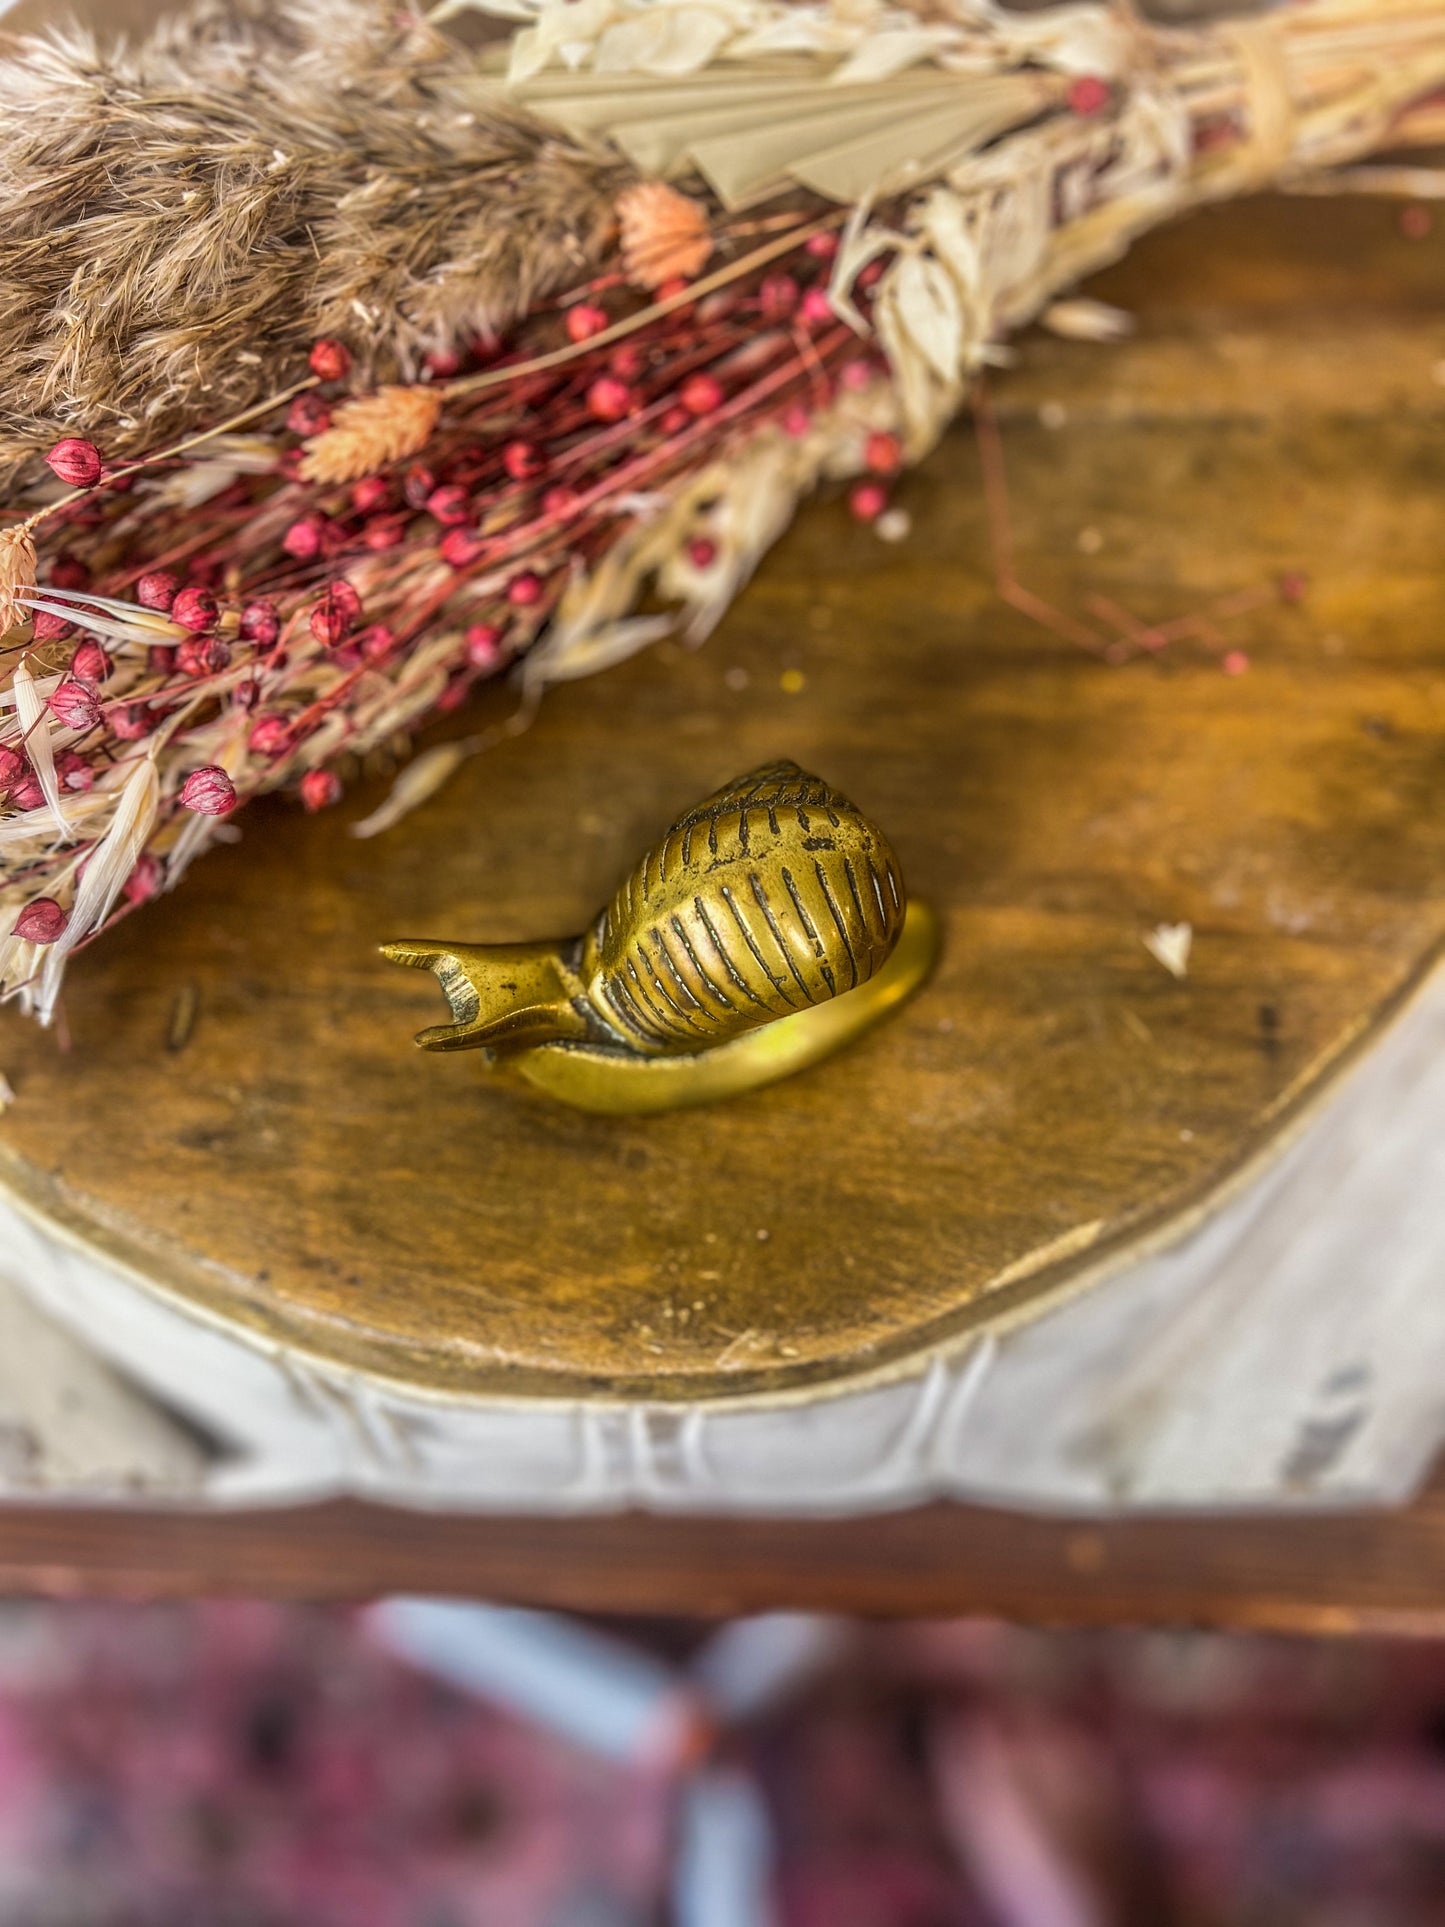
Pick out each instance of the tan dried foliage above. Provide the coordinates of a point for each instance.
(180, 219)
(368, 433)
(17, 572)
(665, 235)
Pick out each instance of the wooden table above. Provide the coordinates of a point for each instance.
(1359, 1573)
(1378, 1572)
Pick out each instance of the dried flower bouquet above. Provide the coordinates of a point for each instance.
(343, 367)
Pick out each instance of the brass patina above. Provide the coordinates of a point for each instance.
(768, 928)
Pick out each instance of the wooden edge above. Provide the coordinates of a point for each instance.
(1341, 1573)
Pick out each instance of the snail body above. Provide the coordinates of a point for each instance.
(769, 900)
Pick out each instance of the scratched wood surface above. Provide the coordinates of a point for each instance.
(296, 1168)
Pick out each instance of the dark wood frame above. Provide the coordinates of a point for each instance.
(1357, 1572)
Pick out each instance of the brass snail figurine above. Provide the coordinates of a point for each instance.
(767, 928)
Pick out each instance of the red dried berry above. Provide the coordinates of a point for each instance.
(209, 791)
(702, 394)
(41, 921)
(796, 420)
(817, 309)
(370, 493)
(73, 770)
(459, 548)
(417, 485)
(868, 500)
(131, 721)
(525, 591)
(384, 532)
(558, 499)
(627, 362)
(336, 615)
(484, 645)
(454, 695)
(13, 766)
(90, 664)
(1416, 221)
(157, 589)
(269, 736)
(260, 623)
(442, 363)
(375, 643)
(608, 399)
(584, 321)
(303, 539)
(329, 359)
(44, 627)
(702, 552)
(202, 656)
(75, 706)
(1089, 95)
(27, 794)
(342, 595)
(77, 462)
(522, 460)
(883, 453)
(449, 504)
(778, 295)
(69, 572)
(144, 881)
(822, 247)
(308, 415)
(320, 788)
(855, 375)
(195, 609)
(675, 420)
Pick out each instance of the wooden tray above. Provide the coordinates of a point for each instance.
(287, 1164)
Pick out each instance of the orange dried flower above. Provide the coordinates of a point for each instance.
(370, 432)
(17, 573)
(665, 235)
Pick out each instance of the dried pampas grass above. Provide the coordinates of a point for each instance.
(181, 219)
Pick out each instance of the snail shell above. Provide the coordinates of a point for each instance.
(773, 894)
